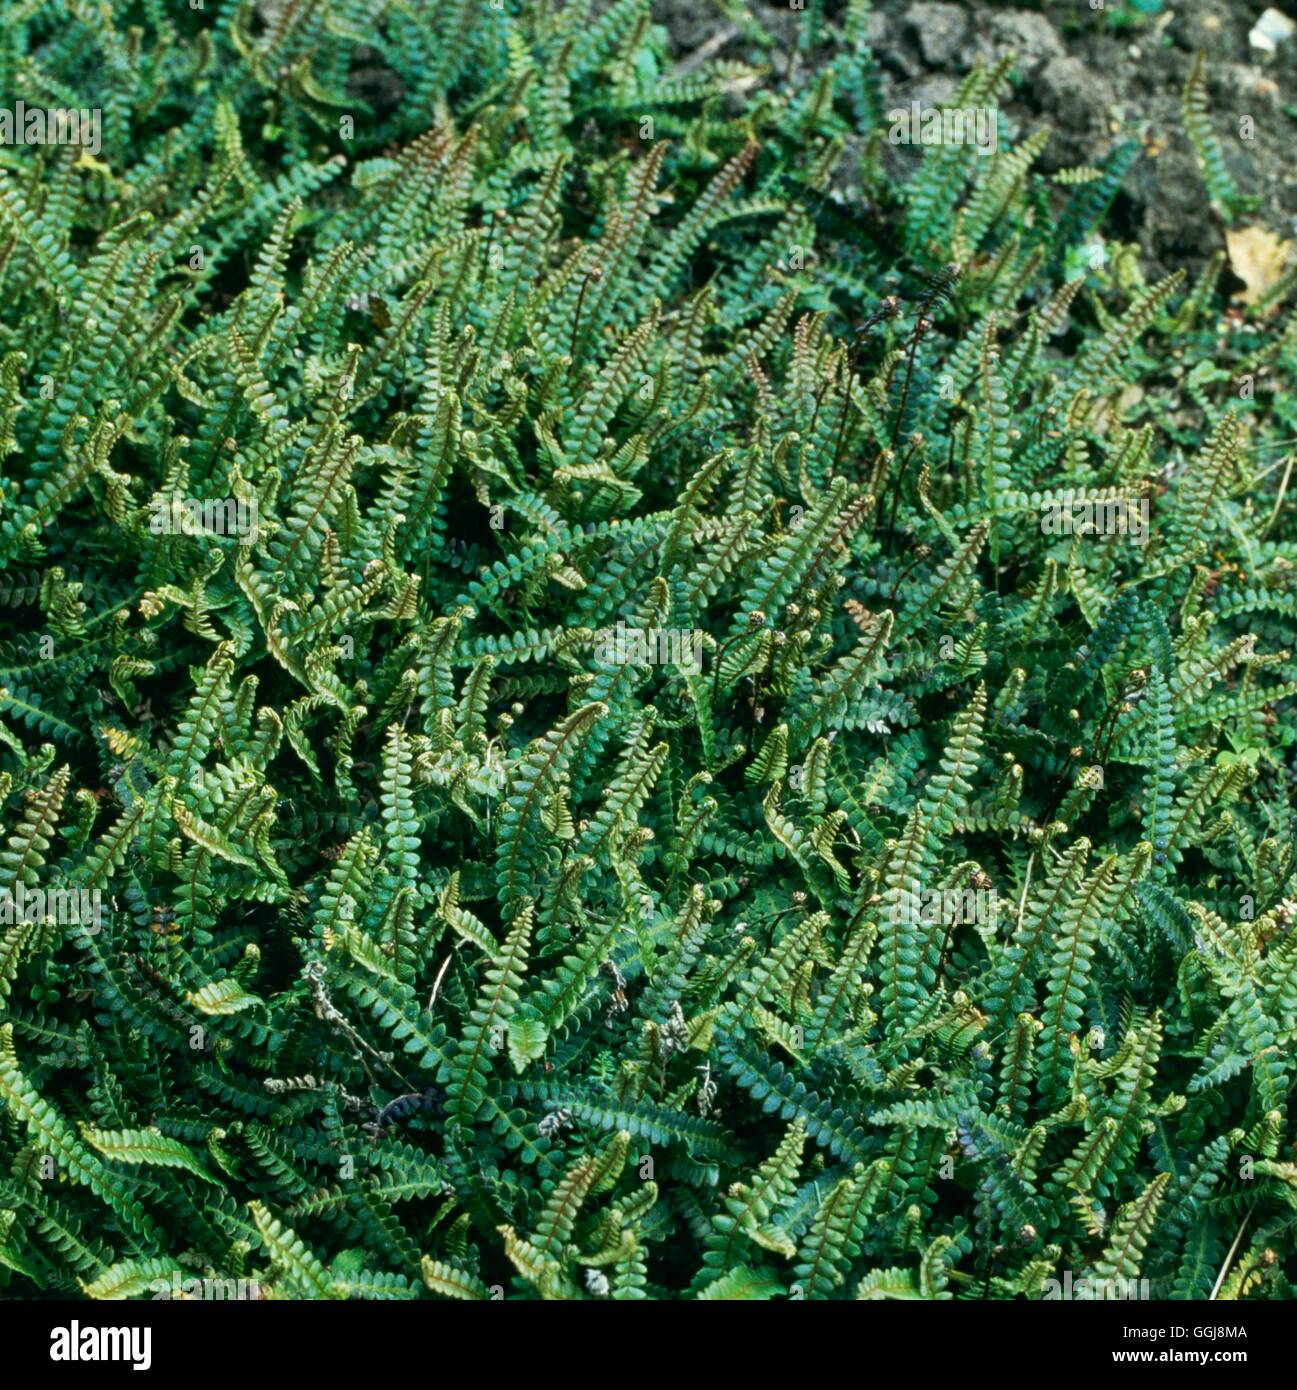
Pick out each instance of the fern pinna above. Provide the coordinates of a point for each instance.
(625, 727)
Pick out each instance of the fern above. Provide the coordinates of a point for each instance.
(604, 698)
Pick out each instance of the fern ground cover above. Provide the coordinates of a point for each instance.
(584, 717)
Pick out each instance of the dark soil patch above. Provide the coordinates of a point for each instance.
(1098, 77)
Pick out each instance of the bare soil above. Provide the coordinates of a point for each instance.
(1097, 77)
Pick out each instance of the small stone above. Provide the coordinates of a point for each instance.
(930, 91)
(1270, 31)
(1030, 37)
(940, 30)
(1074, 94)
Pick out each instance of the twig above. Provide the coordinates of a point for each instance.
(1278, 501)
(1026, 884)
(1224, 1269)
(705, 50)
(328, 1012)
(436, 984)
(594, 274)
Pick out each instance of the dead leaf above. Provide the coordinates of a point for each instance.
(1258, 258)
